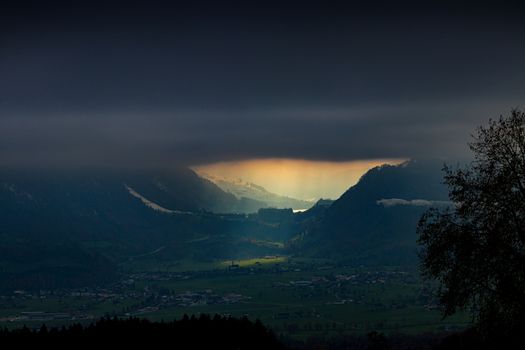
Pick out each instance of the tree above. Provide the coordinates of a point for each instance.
(476, 247)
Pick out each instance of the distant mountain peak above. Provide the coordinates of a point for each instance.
(246, 189)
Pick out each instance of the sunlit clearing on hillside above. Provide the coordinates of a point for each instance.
(296, 178)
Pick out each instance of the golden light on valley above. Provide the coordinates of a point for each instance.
(303, 179)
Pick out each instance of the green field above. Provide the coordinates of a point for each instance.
(296, 297)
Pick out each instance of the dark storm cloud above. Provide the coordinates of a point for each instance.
(136, 83)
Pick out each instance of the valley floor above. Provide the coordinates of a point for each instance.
(294, 297)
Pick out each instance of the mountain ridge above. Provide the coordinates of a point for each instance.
(247, 189)
(358, 227)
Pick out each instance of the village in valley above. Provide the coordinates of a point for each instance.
(312, 292)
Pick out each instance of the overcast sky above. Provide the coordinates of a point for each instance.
(141, 84)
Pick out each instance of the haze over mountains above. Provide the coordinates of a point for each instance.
(245, 189)
(71, 228)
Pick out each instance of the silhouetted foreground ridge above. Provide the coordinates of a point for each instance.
(203, 332)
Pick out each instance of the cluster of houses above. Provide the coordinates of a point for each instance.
(207, 297)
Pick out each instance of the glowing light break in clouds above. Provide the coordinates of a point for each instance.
(303, 179)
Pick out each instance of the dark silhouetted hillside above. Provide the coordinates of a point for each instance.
(374, 222)
(72, 228)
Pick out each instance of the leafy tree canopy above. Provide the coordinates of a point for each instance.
(476, 248)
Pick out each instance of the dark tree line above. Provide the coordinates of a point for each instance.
(202, 332)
